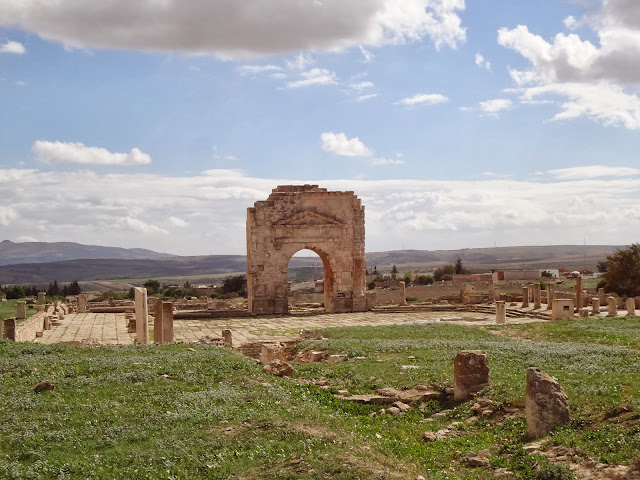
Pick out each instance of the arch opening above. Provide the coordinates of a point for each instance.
(309, 286)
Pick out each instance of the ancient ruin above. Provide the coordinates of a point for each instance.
(297, 217)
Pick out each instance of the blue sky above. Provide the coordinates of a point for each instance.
(156, 124)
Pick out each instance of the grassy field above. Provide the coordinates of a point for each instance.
(196, 411)
(8, 309)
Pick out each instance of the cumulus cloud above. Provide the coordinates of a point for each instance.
(80, 154)
(493, 107)
(134, 209)
(424, 99)
(229, 28)
(315, 76)
(600, 80)
(593, 171)
(12, 47)
(481, 62)
(339, 144)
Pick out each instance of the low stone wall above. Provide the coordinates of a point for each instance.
(26, 330)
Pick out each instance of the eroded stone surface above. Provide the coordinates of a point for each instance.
(471, 374)
(297, 217)
(547, 405)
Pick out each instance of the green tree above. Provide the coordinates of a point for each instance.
(444, 272)
(408, 278)
(54, 289)
(236, 284)
(394, 272)
(152, 286)
(423, 280)
(601, 266)
(459, 267)
(623, 271)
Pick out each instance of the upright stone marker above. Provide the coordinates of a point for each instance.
(142, 316)
(578, 290)
(631, 307)
(546, 405)
(613, 309)
(167, 322)
(42, 298)
(562, 308)
(403, 294)
(82, 303)
(227, 338)
(492, 290)
(157, 321)
(549, 296)
(525, 297)
(471, 374)
(21, 308)
(10, 329)
(595, 306)
(601, 296)
(501, 312)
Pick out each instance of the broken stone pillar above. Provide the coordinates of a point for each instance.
(601, 296)
(492, 290)
(271, 353)
(167, 322)
(471, 374)
(21, 308)
(42, 298)
(226, 337)
(403, 294)
(82, 303)
(525, 297)
(631, 307)
(583, 312)
(157, 321)
(501, 312)
(46, 323)
(10, 329)
(546, 405)
(40, 308)
(537, 296)
(613, 309)
(595, 306)
(578, 290)
(142, 316)
(549, 296)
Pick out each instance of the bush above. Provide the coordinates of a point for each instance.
(623, 271)
(411, 298)
(423, 280)
(444, 273)
(236, 284)
(371, 285)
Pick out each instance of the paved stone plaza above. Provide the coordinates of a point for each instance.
(111, 329)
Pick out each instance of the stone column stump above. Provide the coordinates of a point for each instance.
(631, 307)
(525, 297)
(501, 312)
(601, 296)
(612, 308)
(227, 338)
(9, 329)
(42, 298)
(537, 296)
(142, 316)
(546, 404)
(595, 306)
(21, 312)
(157, 321)
(167, 322)
(549, 296)
(471, 374)
(82, 303)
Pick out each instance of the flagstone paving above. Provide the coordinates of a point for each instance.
(111, 328)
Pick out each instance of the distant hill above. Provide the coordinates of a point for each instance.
(205, 268)
(41, 252)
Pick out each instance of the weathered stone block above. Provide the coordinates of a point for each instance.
(501, 312)
(471, 374)
(546, 405)
(562, 308)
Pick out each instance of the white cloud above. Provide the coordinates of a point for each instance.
(367, 56)
(424, 99)
(387, 161)
(600, 81)
(230, 28)
(92, 208)
(481, 62)
(493, 107)
(368, 96)
(12, 47)
(593, 171)
(339, 144)
(315, 76)
(360, 86)
(80, 154)
(139, 226)
(300, 62)
(178, 222)
(256, 69)
(20, 83)
(26, 238)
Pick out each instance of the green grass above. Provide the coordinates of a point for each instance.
(8, 309)
(167, 412)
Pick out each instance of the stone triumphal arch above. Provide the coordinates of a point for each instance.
(297, 217)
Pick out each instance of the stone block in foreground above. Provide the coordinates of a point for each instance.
(547, 405)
